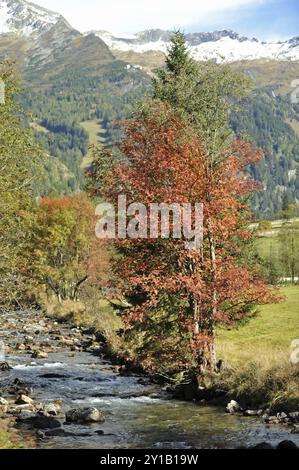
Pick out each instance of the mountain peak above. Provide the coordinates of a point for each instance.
(26, 18)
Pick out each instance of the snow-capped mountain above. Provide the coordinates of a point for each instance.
(222, 46)
(35, 37)
(25, 18)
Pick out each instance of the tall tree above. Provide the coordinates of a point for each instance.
(205, 94)
(289, 251)
(179, 295)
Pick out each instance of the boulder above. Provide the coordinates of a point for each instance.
(28, 339)
(3, 406)
(33, 329)
(233, 407)
(85, 415)
(4, 366)
(19, 388)
(272, 420)
(282, 416)
(52, 409)
(67, 342)
(295, 430)
(53, 376)
(61, 432)
(3, 409)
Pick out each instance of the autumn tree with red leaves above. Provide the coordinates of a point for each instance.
(179, 296)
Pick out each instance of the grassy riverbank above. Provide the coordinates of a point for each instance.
(10, 439)
(258, 353)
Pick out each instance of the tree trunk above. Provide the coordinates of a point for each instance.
(212, 349)
(196, 319)
(293, 261)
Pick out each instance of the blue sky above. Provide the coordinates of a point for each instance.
(265, 19)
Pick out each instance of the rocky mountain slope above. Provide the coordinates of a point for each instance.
(24, 18)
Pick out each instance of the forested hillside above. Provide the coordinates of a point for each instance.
(265, 118)
(60, 104)
(70, 97)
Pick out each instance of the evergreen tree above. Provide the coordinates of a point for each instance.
(178, 59)
(203, 92)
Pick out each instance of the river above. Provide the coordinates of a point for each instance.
(137, 414)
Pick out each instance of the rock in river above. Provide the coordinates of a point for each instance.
(262, 445)
(52, 409)
(24, 400)
(287, 445)
(85, 415)
(253, 412)
(233, 407)
(40, 421)
(5, 366)
(39, 355)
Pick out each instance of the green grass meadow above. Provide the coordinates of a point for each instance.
(97, 136)
(267, 338)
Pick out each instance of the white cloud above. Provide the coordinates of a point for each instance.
(135, 15)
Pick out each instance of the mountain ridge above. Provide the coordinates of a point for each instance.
(221, 46)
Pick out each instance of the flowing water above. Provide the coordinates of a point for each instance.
(137, 415)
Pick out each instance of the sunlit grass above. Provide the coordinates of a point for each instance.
(265, 339)
(97, 135)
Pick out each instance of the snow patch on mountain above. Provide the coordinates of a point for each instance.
(222, 46)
